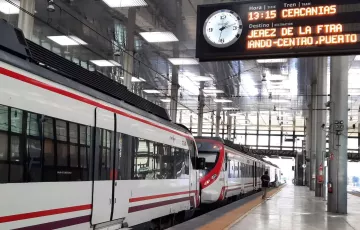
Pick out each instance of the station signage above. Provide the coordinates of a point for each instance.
(271, 29)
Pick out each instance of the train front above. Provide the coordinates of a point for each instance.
(212, 179)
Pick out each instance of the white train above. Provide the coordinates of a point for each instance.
(75, 158)
(229, 172)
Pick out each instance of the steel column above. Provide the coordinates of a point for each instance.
(313, 137)
(321, 72)
(337, 200)
(26, 21)
(217, 121)
(128, 58)
(201, 109)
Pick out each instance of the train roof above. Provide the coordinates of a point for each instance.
(36, 59)
(237, 147)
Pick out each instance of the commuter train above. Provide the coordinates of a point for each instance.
(76, 158)
(230, 173)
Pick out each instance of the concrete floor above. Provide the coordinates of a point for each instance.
(297, 208)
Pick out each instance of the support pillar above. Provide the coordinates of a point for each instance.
(175, 69)
(201, 108)
(313, 138)
(229, 118)
(321, 72)
(129, 56)
(26, 21)
(217, 122)
(337, 200)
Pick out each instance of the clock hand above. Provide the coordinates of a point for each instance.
(229, 26)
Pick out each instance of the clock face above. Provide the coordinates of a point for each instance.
(222, 28)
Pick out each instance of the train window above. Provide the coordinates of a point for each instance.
(74, 158)
(4, 170)
(73, 133)
(33, 124)
(62, 154)
(83, 135)
(4, 118)
(3, 146)
(61, 130)
(49, 156)
(105, 154)
(181, 160)
(16, 120)
(48, 127)
(15, 149)
(33, 160)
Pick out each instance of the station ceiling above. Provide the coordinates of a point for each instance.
(102, 28)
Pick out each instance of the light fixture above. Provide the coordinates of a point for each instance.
(280, 60)
(125, 3)
(105, 63)
(166, 100)
(236, 115)
(357, 58)
(229, 108)
(135, 79)
(67, 40)
(157, 37)
(277, 77)
(183, 61)
(280, 101)
(50, 7)
(222, 100)
(7, 8)
(211, 90)
(151, 91)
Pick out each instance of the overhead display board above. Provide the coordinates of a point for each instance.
(270, 29)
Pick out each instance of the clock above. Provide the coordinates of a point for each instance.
(222, 28)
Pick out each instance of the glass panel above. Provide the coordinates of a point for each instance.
(276, 132)
(34, 160)
(4, 118)
(4, 172)
(32, 124)
(73, 132)
(61, 133)
(62, 155)
(16, 173)
(49, 156)
(48, 128)
(3, 146)
(82, 135)
(74, 156)
(275, 141)
(353, 143)
(83, 158)
(251, 140)
(263, 140)
(16, 120)
(15, 149)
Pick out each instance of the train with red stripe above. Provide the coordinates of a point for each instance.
(229, 172)
(75, 157)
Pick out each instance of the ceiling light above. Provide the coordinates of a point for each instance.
(280, 60)
(236, 115)
(229, 108)
(67, 40)
(201, 78)
(276, 77)
(212, 91)
(166, 100)
(183, 61)
(105, 63)
(280, 101)
(156, 37)
(357, 58)
(152, 91)
(125, 3)
(222, 100)
(135, 79)
(8, 8)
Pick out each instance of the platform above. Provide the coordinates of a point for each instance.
(298, 208)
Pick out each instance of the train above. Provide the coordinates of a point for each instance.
(79, 151)
(229, 172)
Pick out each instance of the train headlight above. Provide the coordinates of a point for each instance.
(207, 182)
(214, 177)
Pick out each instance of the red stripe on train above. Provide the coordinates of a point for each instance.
(136, 199)
(50, 212)
(40, 84)
(158, 204)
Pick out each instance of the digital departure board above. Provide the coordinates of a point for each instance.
(271, 29)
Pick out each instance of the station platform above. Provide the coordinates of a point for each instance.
(289, 207)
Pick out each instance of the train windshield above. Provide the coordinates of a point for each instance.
(210, 152)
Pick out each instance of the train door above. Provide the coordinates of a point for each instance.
(255, 175)
(103, 154)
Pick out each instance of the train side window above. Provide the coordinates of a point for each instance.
(181, 159)
(34, 160)
(16, 120)
(4, 118)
